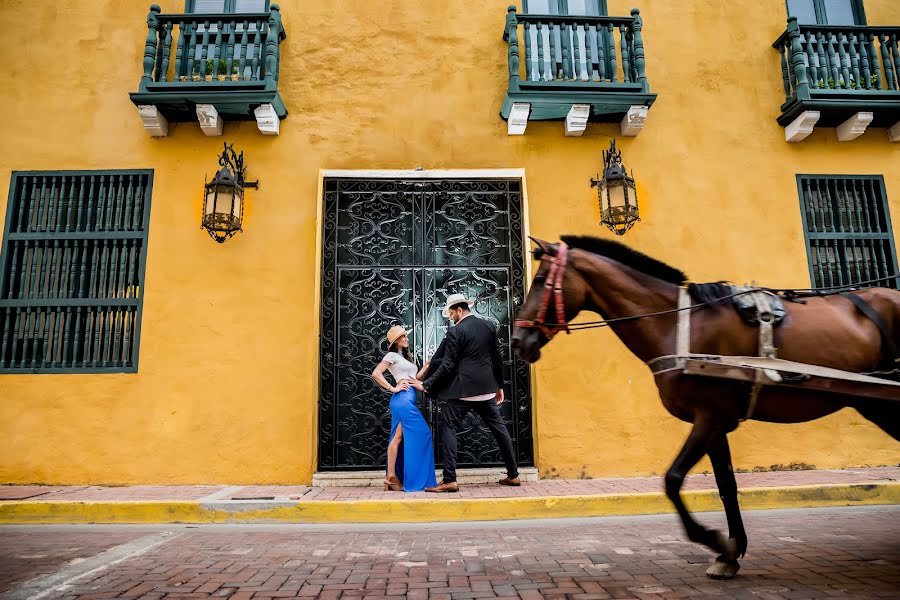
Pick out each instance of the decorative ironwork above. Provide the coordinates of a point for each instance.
(617, 193)
(223, 205)
(72, 271)
(392, 251)
(234, 162)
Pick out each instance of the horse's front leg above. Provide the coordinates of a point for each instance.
(697, 444)
(720, 455)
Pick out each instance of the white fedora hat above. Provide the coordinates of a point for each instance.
(453, 300)
(395, 332)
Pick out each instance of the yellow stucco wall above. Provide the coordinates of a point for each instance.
(227, 385)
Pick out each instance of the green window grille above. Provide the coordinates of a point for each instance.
(848, 230)
(72, 271)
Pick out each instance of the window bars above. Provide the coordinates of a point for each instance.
(72, 271)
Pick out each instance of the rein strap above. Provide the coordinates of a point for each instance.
(552, 290)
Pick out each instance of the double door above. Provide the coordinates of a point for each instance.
(393, 251)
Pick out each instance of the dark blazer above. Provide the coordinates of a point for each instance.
(471, 364)
(436, 359)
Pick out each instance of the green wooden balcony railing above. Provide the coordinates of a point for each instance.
(228, 60)
(568, 60)
(840, 70)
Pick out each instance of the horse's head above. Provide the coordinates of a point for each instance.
(556, 295)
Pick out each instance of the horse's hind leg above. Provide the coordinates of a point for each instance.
(697, 444)
(720, 455)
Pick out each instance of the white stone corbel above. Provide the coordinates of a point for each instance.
(634, 119)
(210, 121)
(154, 121)
(576, 120)
(267, 120)
(854, 127)
(518, 118)
(802, 126)
(894, 132)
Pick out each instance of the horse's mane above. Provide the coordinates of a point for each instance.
(625, 255)
(709, 293)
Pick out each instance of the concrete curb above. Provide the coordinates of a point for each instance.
(442, 508)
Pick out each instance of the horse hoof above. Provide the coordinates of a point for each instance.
(728, 547)
(723, 569)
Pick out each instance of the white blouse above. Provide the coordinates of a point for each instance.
(399, 367)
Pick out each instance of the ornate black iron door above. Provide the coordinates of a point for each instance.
(393, 250)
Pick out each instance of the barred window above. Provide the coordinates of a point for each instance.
(848, 230)
(72, 271)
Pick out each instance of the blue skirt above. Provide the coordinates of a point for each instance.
(415, 459)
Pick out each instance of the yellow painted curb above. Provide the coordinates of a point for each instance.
(444, 508)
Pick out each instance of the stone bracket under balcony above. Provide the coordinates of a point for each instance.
(835, 111)
(180, 105)
(227, 61)
(548, 104)
(560, 64)
(840, 75)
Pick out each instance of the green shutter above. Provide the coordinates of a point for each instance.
(812, 12)
(225, 6)
(595, 8)
(72, 271)
(847, 227)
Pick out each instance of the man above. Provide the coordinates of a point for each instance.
(468, 377)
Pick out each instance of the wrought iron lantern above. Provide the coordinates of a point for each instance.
(616, 193)
(223, 199)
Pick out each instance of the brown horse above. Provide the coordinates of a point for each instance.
(616, 282)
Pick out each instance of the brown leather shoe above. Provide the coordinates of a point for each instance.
(443, 488)
(392, 484)
(513, 482)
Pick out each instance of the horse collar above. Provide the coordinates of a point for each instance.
(552, 289)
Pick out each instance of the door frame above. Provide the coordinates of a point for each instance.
(508, 173)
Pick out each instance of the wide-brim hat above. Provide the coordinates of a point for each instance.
(395, 332)
(453, 300)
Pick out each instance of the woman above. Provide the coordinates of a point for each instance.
(410, 463)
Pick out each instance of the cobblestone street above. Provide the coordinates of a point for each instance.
(815, 553)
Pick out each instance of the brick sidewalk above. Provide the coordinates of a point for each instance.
(543, 488)
(793, 554)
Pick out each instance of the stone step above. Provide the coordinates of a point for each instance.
(376, 478)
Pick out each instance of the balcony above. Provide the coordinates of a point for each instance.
(209, 68)
(576, 69)
(846, 77)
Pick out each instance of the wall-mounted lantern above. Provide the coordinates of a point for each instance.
(223, 200)
(617, 193)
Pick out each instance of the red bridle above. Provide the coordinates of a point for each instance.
(552, 288)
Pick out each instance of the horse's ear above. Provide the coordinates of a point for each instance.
(544, 247)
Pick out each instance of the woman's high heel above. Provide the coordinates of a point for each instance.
(392, 484)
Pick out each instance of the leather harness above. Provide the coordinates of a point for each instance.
(552, 290)
(890, 358)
